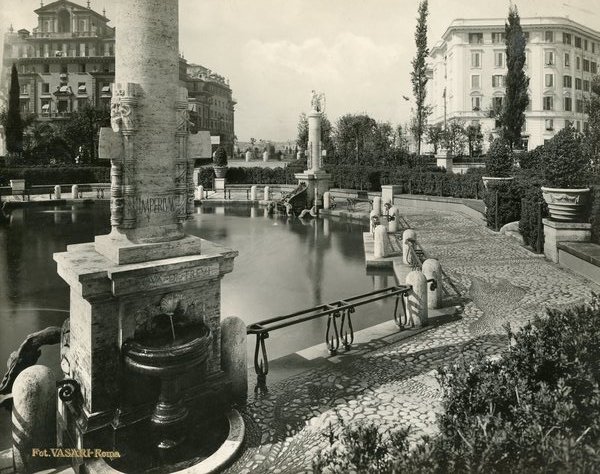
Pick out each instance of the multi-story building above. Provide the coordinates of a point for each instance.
(468, 68)
(68, 61)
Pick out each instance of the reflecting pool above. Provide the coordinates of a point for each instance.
(284, 265)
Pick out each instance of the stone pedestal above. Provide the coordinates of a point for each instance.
(555, 232)
(316, 182)
(443, 160)
(388, 191)
(219, 184)
(112, 303)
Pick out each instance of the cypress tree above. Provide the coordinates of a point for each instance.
(14, 125)
(419, 76)
(516, 100)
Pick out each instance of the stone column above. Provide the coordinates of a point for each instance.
(57, 192)
(433, 271)
(416, 305)
(74, 191)
(395, 222)
(266, 193)
(233, 355)
(200, 192)
(314, 140)
(265, 156)
(382, 247)
(253, 193)
(248, 156)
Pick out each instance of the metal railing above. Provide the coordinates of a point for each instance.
(340, 310)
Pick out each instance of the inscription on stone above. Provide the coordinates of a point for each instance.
(182, 276)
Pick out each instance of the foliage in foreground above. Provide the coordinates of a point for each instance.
(537, 409)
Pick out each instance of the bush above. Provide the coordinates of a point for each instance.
(56, 174)
(499, 162)
(220, 158)
(564, 160)
(595, 213)
(537, 409)
(534, 209)
(509, 203)
(533, 159)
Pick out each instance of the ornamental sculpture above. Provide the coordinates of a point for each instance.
(317, 101)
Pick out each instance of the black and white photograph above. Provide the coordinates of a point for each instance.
(299, 236)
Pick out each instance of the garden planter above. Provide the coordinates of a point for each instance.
(566, 205)
(220, 171)
(495, 180)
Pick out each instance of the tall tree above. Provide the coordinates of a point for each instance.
(81, 131)
(516, 101)
(419, 76)
(435, 135)
(474, 139)
(14, 125)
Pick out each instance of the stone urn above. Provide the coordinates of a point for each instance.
(487, 180)
(566, 204)
(220, 171)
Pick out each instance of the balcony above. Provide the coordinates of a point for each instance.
(67, 35)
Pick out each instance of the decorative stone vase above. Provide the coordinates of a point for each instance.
(220, 171)
(495, 180)
(566, 205)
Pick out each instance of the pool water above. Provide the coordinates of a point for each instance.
(284, 265)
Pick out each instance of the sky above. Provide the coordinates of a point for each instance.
(274, 52)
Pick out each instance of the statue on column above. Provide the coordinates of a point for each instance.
(317, 101)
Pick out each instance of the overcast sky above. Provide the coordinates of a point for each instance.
(358, 52)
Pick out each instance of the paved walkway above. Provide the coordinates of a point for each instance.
(394, 384)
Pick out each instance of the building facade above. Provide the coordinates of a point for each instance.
(467, 70)
(68, 62)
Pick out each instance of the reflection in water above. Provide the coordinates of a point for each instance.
(280, 269)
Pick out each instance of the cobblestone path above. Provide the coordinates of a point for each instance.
(395, 385)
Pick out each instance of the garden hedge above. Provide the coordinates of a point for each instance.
(55, 174)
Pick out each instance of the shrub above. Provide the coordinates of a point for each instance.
(533, 209)
(47, 175)
(564, 159)
(509, 203)
(220, 158)
(533, 159)
(499, 160)
(594, 204)
(537, 409)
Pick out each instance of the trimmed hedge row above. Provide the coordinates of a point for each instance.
(595, 213)
(56, 175)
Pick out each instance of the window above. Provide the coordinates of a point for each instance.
(585, 44)
(586, 126)
(476, 38)
(46, 106)
(46, 68)
(593, 47)
(567, 60)
(586, 85)
(497, 80)
(549, 36)
(578, 83)
(568, 104)
(45, 88)
(64, 69)
(567, 81)
(497, 103)
(548, 103)
(566, 38)
(24, 89)
(498, 59)
(549, 124)
(578, 126)
(593, 68)
(105, 88)
(475, 59)
(81, 88)
(578, 63)
(476, 103)
(568, 123)
(586, 65)
(81, 103)
(549, 80)
(577, 42)
(82, 67)
(548, 58)
(579, 106)
(526, 34)
(475, 82)
(498, 37)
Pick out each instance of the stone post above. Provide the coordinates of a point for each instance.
(253, 193)
(265, 156)
(248, 156)
(377, 205)
(373, 221)
(416, 305)
(74, 191)
(382, 247)
(200, 192)
(556, 232)
(407, 235)
(266, 193)
(326, 200)
(57, 192)
(299, 155)
(394, 223)
(388, 191)
(233, 355)
(433, 271)
(33, 418)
